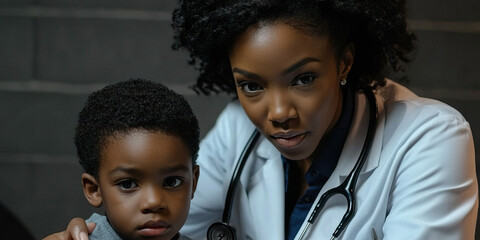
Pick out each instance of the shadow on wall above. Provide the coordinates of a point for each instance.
(11, 227)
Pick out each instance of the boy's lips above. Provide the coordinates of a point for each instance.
(154, 228)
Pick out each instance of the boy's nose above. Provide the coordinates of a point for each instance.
(153, 200)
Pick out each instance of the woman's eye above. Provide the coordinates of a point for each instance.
(304, 79)
(249, 87)
(127, 184)
(172, 182)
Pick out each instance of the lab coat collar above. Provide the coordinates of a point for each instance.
(356, 137)
(266, 150)
(265, 193)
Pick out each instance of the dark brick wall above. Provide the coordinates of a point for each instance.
(53, 53)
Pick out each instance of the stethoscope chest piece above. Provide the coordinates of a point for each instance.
(221, 231)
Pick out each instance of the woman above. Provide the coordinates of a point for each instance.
(302, 71)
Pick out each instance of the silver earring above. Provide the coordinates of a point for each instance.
(343, 81)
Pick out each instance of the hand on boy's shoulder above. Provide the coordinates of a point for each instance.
(77, 230)
(55, 236)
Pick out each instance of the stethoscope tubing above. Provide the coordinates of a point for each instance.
(347, 187)
(237, 173)
(222, 230)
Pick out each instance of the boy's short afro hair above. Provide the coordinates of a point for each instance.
(133, 104)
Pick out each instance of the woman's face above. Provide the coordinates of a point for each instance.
(288, 83)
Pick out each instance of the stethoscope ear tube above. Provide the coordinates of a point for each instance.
(222, 230)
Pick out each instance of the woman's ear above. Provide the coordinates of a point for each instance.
(347, 60)
(91, 190)
(196, 174)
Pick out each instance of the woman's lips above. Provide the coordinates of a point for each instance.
(288, 140)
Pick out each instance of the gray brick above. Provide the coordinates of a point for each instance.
(38, 122)
(17, 51)
(446, 60)
(44, 195)
(103, 50)
(15, 3)
(119, 4)
(445, 10)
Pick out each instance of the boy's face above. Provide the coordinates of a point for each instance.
(146, 181)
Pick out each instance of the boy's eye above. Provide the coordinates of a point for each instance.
(172, 182)
(127, 184)
(249, 87)
(304, 79)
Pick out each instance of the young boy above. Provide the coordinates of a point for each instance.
(137, 142)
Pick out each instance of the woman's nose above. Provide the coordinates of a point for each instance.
(153, 199)
(280, 109)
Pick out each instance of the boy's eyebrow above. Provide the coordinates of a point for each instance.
(128, 170)
(134, 171)
(178, 168)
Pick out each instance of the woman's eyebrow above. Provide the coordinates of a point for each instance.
(300, 63)
(245, 73)
(290, 69)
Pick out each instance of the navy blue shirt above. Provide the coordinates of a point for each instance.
(328, 153)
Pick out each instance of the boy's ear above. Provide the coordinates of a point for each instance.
(91, 190)
(196, 174)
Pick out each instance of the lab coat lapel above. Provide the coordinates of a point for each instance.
(356, 138)
(266, 193)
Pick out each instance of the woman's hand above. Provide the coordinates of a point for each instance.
(77, 230)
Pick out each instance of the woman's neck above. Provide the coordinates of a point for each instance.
(302, 167)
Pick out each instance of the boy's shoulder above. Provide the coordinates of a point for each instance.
(103, 229)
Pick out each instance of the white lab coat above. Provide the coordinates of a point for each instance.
(419, 181)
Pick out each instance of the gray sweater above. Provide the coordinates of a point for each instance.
(104, 230)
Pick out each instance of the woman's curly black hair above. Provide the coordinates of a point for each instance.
(378, 29)
(130, 105)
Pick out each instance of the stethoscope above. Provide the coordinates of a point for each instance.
(223, 231)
